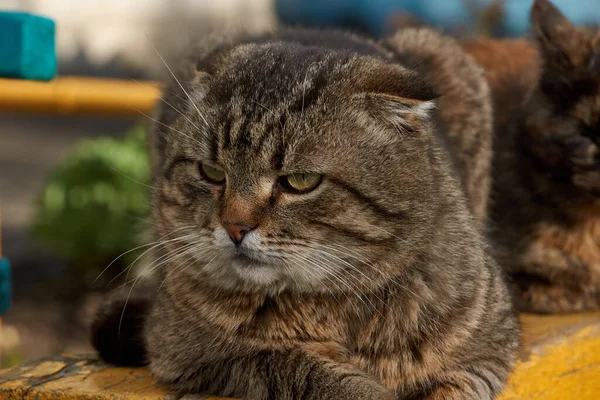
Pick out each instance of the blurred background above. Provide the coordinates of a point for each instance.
(73, 188)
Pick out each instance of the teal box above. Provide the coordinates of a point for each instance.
(27, 46)
(5, 285)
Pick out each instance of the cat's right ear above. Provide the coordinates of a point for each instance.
(553, 31)
(395, 97)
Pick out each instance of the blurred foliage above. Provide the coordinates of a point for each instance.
(93, 206)
(11, 358)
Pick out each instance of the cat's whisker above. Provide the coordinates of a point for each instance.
(304, 93)
(133, 179)
(354, 255)
(161, 243)
(374, 267)
(182, 88)
(125, 304)
(331, 277)
(184, 99)
(388, 232)
(168, 257)
(169, 127)
(130, 267)
(358, 281)
(294, 260)
(187, 262)
(407, 289)
(283, 129)
(344, 251)
(137, 248)
(127, 300)
(262, 106)
(162, 260)
(272, 112)
(125, 307)
(320, 247)
(206, 265)
(298, 262)
(121, 255)
(194, 252)
(151, 222)
(343, 279)
(180, 113)
(167, 103)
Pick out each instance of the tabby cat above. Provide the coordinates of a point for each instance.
(316, 240)
(546, 193)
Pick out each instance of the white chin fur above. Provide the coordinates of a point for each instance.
(262, 272)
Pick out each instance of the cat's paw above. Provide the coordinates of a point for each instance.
(363, 388)
(345, 381)
(192, 396)
(196, 397)
(329, 350)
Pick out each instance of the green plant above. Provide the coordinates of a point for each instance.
(95, 201)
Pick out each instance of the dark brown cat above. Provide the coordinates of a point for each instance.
(546, 193)
(316, 239)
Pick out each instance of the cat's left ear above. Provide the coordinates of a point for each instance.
(554, 33)
(394, 95)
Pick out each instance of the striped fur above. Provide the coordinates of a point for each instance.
(375, 285)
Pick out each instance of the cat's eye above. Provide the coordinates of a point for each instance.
(212, 174)
(301, 183)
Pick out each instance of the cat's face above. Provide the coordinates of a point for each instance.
(565, 116)
(293, 168)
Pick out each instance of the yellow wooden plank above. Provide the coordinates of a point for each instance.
(559, 360)
(78, 95)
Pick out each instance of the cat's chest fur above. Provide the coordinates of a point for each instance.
(375, 336)
(261, 318)
(292, 317)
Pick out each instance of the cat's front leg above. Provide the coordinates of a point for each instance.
(316, 371)
(332, 377)
(469, 383)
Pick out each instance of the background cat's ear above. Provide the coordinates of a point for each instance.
(394, 96)
(553, 31)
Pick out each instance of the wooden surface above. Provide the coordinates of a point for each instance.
(77, 95)
(560, 360)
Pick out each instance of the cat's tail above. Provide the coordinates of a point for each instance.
(118, 327)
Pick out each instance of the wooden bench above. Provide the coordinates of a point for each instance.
(560, 360)
(71, 95)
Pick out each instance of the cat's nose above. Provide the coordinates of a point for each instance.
(237, 231)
